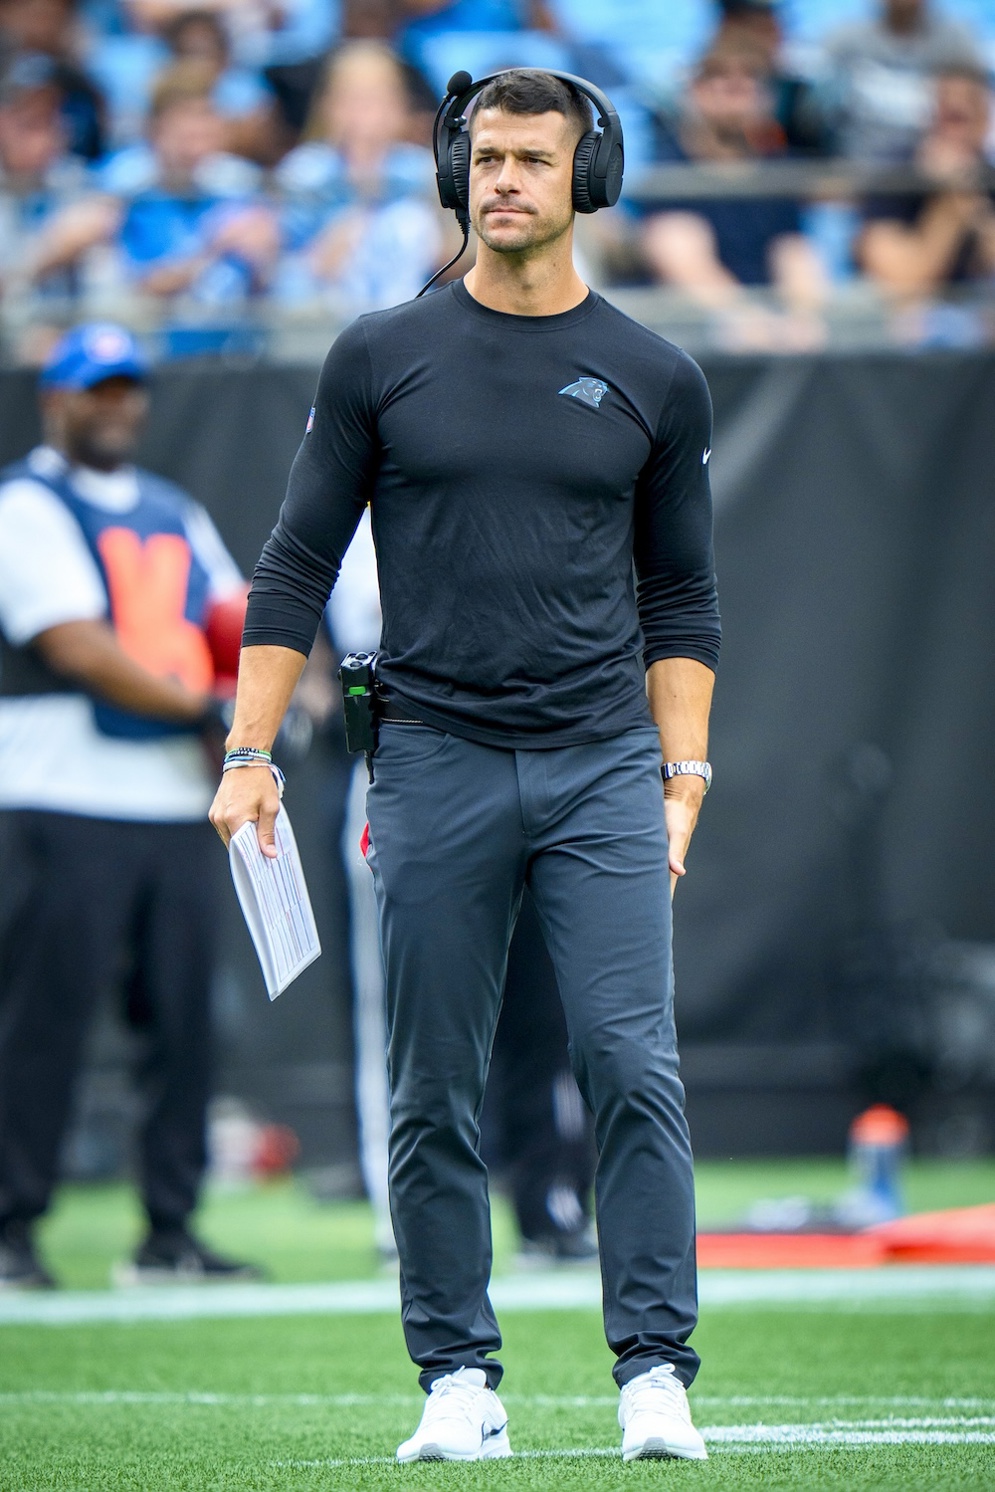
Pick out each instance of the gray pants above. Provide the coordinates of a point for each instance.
(456, 831)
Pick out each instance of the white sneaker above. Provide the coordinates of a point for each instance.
(656, 1419)
(464, 1420)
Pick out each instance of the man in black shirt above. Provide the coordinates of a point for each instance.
(537, 469)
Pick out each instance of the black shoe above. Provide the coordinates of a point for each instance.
(20, 1266)
(180, 1259)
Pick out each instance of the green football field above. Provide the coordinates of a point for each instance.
(879, 1379)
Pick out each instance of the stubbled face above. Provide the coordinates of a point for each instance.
(99, 426)
(521, 178)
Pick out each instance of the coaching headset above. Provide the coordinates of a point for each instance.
(598, 158)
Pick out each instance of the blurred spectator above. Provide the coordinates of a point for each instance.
(715, 247)
(194, 221)
(359, 221)
(241, 95)
(264, 32)
(125, 57)
(795, 100)
(917, 245)
(48, 28)
(361, 20)
(36, 173)
(33, 156)
(882, 71)
(184, 216)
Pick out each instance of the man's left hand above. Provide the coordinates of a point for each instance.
(681, 805)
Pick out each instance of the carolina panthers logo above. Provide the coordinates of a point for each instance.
(588, 390)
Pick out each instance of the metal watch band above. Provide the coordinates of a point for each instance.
(688, 769)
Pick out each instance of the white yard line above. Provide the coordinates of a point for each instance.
(938, 1419)
(733, 1438)
(95, 1398)
(905, 1287)
(931, 1429)
(870, 1434)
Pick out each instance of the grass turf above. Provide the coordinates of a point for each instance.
(292, 1404)
(271, 1419)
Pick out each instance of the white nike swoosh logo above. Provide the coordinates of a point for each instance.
(705, 455)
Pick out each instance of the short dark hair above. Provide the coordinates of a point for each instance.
(519, 91)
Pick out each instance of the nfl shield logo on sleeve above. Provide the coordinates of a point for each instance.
(310, 422)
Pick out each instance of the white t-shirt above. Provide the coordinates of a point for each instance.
(52, 756)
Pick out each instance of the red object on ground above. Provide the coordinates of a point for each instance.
(223, 630)
(879, 1125)
(790, 1251)
(962, 1235)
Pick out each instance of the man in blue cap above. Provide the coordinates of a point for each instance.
(107, 575)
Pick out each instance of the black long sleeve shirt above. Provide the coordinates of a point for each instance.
(541, 513)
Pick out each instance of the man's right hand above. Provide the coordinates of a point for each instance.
(247, 795)
(267, 676)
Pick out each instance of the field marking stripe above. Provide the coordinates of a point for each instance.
(721, 1438)
(830, 1401)
(892, 1425)
(194, 1398)
(843, 1435)
(948, 1430)
(899, 1285)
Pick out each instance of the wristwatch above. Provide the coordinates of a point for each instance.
(688, 769)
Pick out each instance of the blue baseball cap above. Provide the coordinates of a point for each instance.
(89, 354)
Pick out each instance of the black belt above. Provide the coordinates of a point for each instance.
(397, 714)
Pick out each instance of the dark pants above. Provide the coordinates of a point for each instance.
(457, 830)
(89, 905)
(533, 1114)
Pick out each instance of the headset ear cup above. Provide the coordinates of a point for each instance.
(585, 189)
(459, 166)
(612, 188)
(452, 172)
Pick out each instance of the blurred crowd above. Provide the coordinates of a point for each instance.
(195, 166)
